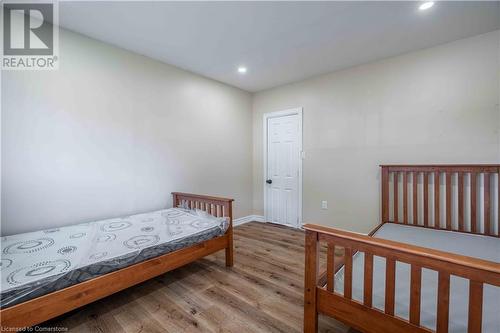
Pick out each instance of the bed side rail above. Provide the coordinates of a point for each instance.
(362, 315)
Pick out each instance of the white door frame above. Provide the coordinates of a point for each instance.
(297, 111)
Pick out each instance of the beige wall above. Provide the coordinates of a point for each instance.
(439, 105)
(113, 133)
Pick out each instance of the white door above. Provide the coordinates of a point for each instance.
(284, 144)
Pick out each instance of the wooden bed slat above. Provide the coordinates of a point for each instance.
(475, 306)
(330, 264)
(443, 302)
(415, 198)
(405, 197)
(473, 201)
(415, 289)
(396, 196)
(385, 195)
(426, 199)
(368, 280)
(487, 221)
(348, 273)
(437, 208)
(448, 200)
(390, 291)
(461, 213)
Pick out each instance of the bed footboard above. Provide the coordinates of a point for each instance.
(363, 316)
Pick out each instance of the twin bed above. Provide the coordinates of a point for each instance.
(47, 273)
(432, 265)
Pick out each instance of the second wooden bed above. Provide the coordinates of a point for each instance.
(419, 207)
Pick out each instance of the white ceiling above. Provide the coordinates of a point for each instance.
(279, 42)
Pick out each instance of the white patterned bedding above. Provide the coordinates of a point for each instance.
(36, 263)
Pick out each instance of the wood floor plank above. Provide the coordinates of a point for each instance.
(263, 292)
(248, 313)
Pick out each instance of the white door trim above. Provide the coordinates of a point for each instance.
(297, 111)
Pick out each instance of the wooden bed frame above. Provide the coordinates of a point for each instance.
(40, 309)
(319, 295)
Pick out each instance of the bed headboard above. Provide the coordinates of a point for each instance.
(451, 197)
(215, 206)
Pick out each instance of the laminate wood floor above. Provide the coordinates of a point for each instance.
(263, 292)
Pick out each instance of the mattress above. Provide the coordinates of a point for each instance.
(37, 263)
(477, 246)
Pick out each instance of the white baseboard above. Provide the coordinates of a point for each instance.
(249, 218)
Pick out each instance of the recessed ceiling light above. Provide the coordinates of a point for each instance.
(242, 70)
(426, 5)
